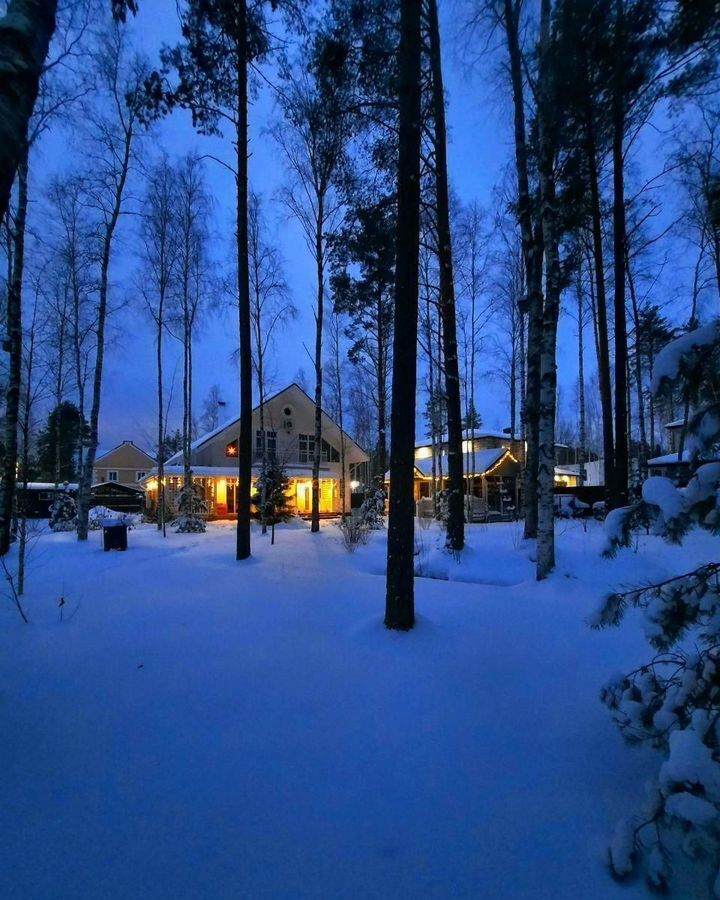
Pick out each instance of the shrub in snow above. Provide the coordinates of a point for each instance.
(372, 511)
(63, 511)
(192, 512)
(442, 507)
(672, 702)
(354, 532)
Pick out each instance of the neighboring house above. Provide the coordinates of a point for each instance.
(492, 462)
(289, 425)
(125, 464)
(672, 465)
(569, 475)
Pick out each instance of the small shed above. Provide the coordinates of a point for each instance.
(118, 497)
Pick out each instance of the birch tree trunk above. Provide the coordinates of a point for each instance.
(110, 226)
(456, 516)
(25, 33)
(14, 331)
(551, 310)
(532, 254)
(400, 588)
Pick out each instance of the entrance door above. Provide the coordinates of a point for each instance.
(304, 497)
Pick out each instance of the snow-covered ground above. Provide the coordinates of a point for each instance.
(199, 728)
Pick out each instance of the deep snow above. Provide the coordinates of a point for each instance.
(200, 728)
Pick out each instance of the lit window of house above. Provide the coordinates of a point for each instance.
(231, 449)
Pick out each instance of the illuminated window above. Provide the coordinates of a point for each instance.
(231, 449)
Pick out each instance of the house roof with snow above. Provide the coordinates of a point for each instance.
(482, 462)
(671, 459)
(128, 444)
(230, 424)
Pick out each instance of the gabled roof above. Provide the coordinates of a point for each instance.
(124, 444)
(485, 461)
(228, 423)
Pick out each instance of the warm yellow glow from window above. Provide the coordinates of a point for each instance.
(151, 485)
(221, 490)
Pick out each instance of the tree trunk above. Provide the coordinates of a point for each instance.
(382, 401)
(581, 383)
(603, 341)
(522, 376)
(532, 255)
(340, 420)
(551, 311)
(456, 515)
(620, 473)
(319, 314)
(643, 449)
(14, 330)
(86, 477)
(244, 328)
(25, 33)
(161, 422)
(400, 588)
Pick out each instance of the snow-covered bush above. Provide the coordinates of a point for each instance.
(63, 511)
(100, 514)
(354, 532)
(442, 507)
(372, 511)
(192, 511)
(672, 702)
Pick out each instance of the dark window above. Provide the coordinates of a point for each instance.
(306, 447)
(270, 443)
(329, 453)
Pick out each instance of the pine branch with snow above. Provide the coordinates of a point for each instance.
(672, 703)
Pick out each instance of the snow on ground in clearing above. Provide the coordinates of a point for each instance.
(199, 728)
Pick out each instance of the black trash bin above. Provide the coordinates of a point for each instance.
(114, 534)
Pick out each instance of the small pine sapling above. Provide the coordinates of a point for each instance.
(372, 511)
(191, 512)
(272, 497)
(63, 511)
(672, 702)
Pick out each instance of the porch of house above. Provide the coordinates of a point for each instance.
(219, 495)
(494, 496)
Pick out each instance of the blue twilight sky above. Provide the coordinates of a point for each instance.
(479, 150)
